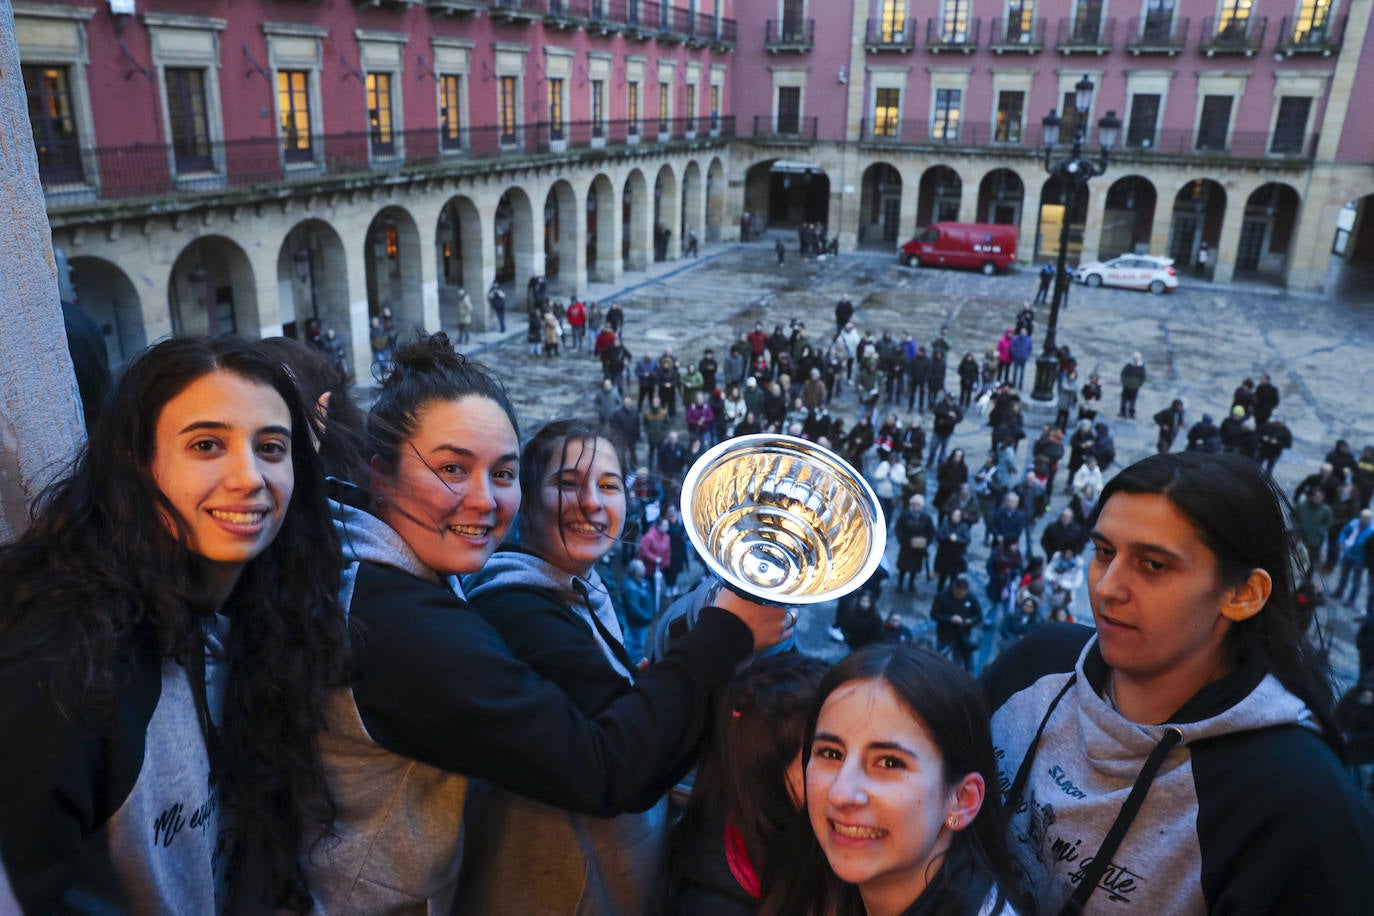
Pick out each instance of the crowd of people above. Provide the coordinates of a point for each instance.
(262, 650)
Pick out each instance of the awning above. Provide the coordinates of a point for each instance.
(789, 165)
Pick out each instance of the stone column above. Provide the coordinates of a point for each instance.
(40, 409)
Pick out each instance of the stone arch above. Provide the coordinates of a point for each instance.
(1056, 211)
(634, 221)
(941, 191)
(391, 257)
(785, 192)
(1001, 197)
(1198, 213)
(560, 225)
(715, 200)
(212, 290)
(693, 205)
(600, 232)
(1266, 232)
(514, 240)
(666, 205)
(312, 280)
(880, 206)
(458, 249)
(1128, 217)
(1350, 269)
(109, 297)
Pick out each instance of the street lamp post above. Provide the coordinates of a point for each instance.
(1074, 172)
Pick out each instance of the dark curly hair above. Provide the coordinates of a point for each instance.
(106, 570)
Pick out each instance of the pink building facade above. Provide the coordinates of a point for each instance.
(250, 166)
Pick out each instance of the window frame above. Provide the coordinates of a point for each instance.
(508, 110)
(1300, 140)
(892, 22)
(1210, 139)
(54, 36)
(186, 111)
(1133, 123)
(379, 88)
(57, 173)
(945, 129)
(887, 118)
(598, 107)
(1004, 131)
(792, 108)
(952, 14)
(180, 42)
(295, 48)
(558, 121)
(452, 130)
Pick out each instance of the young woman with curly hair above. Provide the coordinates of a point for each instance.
(163, 675)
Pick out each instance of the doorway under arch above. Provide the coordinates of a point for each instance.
(1128, 217)
(1199, 209)
(1266, 233)
(212, 290)
(939, 195)
(1001, 195)
(880, 206)
(109, 297)
(391, 254)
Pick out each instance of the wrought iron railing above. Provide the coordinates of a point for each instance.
(767, 127)
(142, 170)
(1234, 36)
(891, 36)
(1303, 36)
(1086, 33)
(789, 34)
(1172, 142)
(1157, 35)
(1017, 34)
(950, 35)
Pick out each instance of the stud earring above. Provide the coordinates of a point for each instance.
(953, 821)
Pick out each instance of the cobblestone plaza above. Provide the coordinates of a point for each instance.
(1198, 344)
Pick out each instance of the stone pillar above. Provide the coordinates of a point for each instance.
(1224, 258)
(1030, 226)
(1092, 220)
(40, 409)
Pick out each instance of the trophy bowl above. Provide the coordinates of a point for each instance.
(783, 520)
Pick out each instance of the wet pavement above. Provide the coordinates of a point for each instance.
(1197, 343)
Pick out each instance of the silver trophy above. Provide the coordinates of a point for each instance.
(782, 520)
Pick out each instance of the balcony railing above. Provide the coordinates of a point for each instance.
(643, 19)
(789, 35)
(767, 127)
(1150, 35)
(517, 10)
(952, 37)
(1306, 37)
(145, 170)
(1085, 35)
(1017, 36)
(884, 37)
(457, 7)
(1235, 36)
(1242, 144)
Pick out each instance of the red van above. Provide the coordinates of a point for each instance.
(985, 246)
